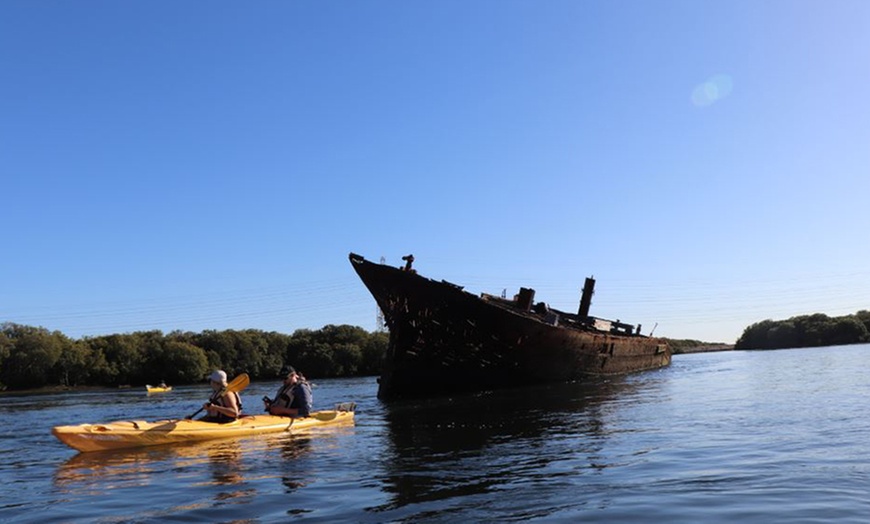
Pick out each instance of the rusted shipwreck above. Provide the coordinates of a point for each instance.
(445, 340)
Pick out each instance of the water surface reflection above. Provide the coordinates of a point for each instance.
(229, 462)
(464, 446)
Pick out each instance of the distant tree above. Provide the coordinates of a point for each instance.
(755, 336)
(273, 358)
(181, 336)
(816, 329)
(6, 346)
(783, 335)
(678, 345)
(316, 360)
(179, 363)
(123, 357)
(99, 368)
(343, 334)
(373, 352)
(296, 347)
(33, 356)
(74, 364)
(848, 330)
(250, 348)
(346, 360)
(6, 339)
(219, 346)
(864, 316)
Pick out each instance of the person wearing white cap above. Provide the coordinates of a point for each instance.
(223, 406)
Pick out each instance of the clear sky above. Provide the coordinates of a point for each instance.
(209, 165)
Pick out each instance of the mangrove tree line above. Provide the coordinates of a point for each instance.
(34, 357)
(807, 331)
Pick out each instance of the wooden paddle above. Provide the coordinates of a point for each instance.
(237, 384)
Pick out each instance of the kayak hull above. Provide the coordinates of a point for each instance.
(125, 434)
(158, 389)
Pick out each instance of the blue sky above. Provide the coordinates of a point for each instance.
(209, 165)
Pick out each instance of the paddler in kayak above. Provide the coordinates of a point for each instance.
(293, 398)
(224, 407)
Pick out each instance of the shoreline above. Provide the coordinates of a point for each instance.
(47, 390)
(704, 349)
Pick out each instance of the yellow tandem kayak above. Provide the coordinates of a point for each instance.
(139, 433)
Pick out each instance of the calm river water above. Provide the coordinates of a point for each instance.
(778, 436)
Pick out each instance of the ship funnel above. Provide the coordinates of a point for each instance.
(525, 299)
(586, 299)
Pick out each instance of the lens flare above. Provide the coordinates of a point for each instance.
(713, 90)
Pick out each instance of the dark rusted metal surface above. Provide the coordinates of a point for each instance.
(445, 340)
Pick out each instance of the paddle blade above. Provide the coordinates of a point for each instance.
(239, 383)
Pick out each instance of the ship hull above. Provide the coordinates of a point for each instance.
(445, 340)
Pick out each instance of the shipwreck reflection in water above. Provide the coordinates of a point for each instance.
(473, 445)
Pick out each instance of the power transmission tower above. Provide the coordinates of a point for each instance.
(380, 321)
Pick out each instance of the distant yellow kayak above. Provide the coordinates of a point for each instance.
(157, 389)
(139, 433)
